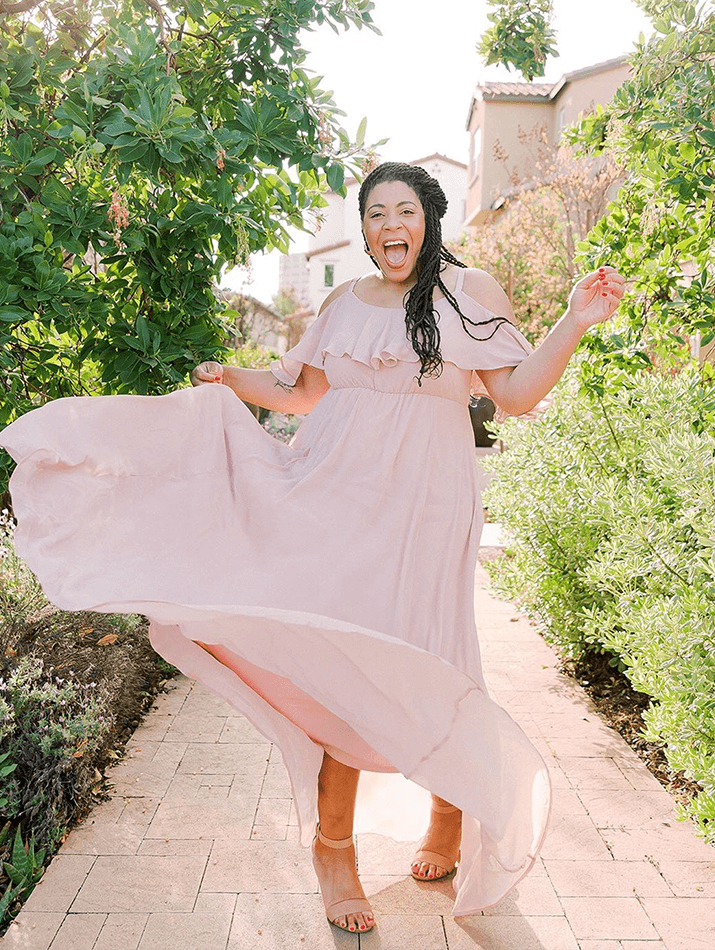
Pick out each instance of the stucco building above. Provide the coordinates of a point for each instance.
(500, 112)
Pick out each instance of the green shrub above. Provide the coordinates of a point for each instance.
(47, 726)
(23, 871)
(20, 592)
(609, 503)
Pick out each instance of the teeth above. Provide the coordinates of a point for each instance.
(390, 243)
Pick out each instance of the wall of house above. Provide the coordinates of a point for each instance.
(582, 94)
(503, 123)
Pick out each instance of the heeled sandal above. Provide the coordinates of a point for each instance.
(350, 905)
(431, 857)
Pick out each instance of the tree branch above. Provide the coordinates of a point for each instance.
(20, 7)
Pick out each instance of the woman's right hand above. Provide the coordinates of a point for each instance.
(208, 372)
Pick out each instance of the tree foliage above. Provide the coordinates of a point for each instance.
(529, 244)
(145, 147)
(660, 230)
(520, 36)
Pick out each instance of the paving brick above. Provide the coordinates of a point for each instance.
(689, 878)
(391, 894)
(599, 945)
(684, 923)
(171, 701)
(207, 903)
(566, 801)
(247, 759)
(609, 918)
(78, 932)
(587, 746)
(241, 730)
(106, 832)
(532, 897)
(280, 867)
(509, 933)
(606, 879)
(153, 728)
(589, 773)
(636, 772)
(141, 883)
(121, 932)
(674, 843)
(191, 818)
(189, 786)
(269, 833)
(272, 811)
(276, 783)
(575, 837)
(642, 945)
(32, 931)
(380, 855)
(188, 728)
(202, 702)
(188, 931)
(170, 847)
(285, 922)
(60, 883)
(399, 931)
(628, 808)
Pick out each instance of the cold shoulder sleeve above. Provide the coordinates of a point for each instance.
(309, 349)
(494, 342)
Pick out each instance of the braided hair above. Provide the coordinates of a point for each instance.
(420, 316)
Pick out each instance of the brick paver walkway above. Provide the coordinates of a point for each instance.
(197, 849)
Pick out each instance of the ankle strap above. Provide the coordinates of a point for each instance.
(444, 809)
(334, 842)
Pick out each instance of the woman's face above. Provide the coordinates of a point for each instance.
(394, 228)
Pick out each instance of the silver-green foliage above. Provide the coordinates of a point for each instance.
(48, 724)
(610, 501)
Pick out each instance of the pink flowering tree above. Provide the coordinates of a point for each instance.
(144, 148)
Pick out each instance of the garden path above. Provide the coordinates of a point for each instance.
(198, 846)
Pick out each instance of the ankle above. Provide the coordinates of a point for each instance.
(335, 828)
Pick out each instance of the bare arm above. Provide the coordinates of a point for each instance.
(261, 387)
(517, 389)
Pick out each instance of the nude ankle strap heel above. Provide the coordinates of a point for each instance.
(447, 862)
(337, 843)
(351, 905)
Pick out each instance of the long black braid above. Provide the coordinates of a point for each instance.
(420, 316)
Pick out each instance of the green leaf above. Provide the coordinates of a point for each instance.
(336, 176)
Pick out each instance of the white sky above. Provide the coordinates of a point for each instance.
(414, 83)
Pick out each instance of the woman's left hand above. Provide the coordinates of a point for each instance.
(596, 297)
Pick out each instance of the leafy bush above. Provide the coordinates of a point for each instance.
(251, 356)
(144, 148)
(47, 725)
(20, 592)
(609, 503)
(23, 871)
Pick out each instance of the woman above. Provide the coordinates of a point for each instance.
(326, 588)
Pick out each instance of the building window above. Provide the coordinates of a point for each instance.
(475, 150)
(329, 275)
(562, 121)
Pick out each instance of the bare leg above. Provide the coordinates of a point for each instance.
(443, 837)
(337, 874)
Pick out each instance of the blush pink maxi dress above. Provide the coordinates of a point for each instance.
(324, 588)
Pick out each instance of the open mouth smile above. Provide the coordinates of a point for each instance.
(395, 252)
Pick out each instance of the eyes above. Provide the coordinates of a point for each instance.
(379, 214)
